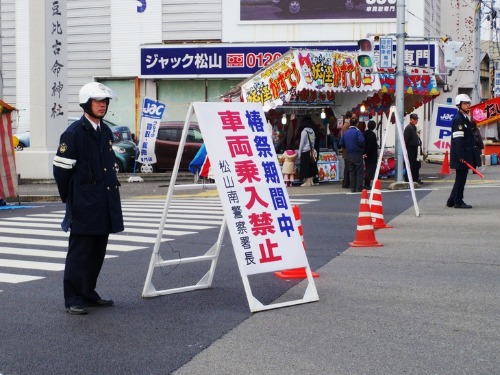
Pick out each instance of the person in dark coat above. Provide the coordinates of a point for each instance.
(478, 141)
(370, 153)
(308, 168)
(88, 184)
(354, 142)
(347, 122)
(461, 151)
(412, 143)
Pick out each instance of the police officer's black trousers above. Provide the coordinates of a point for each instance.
(457, 193)
(83, 265)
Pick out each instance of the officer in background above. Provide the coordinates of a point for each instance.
(461, 150)
(88, 184)
(412, 143)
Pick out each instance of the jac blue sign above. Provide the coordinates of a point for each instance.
(221, 61)
(440, 130)
(444, 119)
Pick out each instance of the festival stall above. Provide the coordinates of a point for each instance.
(8, 174)
(487, 115)
(324, 85)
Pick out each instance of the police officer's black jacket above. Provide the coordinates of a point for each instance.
(462, 143)
(87, 182)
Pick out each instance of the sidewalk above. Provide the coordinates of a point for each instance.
(155, 185)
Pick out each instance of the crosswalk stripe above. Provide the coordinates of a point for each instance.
(147, 215)
(144, 222)
(16, 279)
(52, 233)
(63, 244)
(175, 206)
(171, 210)
(142, 217)
(46, 266)
(33, 252)
(39, 253)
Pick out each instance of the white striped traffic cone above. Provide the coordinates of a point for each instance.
(376, 208)
(365, 234)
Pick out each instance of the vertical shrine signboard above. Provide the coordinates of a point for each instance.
(57, 70)
(256, 204)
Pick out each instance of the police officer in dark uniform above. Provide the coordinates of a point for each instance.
(412, 143)
(461, 150)
(87, 183)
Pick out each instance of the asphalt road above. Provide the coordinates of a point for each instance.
(424, 303)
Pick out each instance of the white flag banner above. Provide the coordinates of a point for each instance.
(152, 113)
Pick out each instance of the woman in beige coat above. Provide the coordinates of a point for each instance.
(288, 168)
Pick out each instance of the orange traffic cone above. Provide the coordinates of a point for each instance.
(365, 235)
(296, 273)
(445, 169)
(376, 208)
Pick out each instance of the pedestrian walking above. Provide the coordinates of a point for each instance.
(87, 182)
(461, 151)
(354, 143)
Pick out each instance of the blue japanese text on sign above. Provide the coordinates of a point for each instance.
(240, 61)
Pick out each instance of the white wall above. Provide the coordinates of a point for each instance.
(192, 20)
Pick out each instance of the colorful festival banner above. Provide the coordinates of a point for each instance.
(319, 71)
(420, 88)
(486, 112)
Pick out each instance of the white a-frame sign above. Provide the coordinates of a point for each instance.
(257, 209)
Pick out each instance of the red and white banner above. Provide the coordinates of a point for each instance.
(8, 174)
(256, 204)
(486, 112)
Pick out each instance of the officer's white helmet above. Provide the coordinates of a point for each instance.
(462, 98)
(95, 90)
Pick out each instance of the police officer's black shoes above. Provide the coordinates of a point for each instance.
(77, 310)
(462, 205)
(99, 303)
(448, 204)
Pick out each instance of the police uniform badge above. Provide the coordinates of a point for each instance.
(459, 127)
(110, 142)
(62, 148)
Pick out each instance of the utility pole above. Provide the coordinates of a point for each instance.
(400, 83)
(476, 95)
(493, 14)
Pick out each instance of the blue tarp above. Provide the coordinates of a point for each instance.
(199, 159)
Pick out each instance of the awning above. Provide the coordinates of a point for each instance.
(321, 78)
(420, 88)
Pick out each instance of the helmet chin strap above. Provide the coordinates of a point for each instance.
(96, 116)
(87, 108)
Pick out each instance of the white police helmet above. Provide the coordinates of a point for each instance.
(462, 98)
(95, 90)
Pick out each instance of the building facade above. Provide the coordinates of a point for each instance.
(109, 40)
